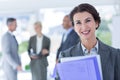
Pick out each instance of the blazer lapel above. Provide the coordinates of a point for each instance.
(69, 36)
(13, 38)
(78, 50)
(103, 51)
(43, 42)
(35, 42)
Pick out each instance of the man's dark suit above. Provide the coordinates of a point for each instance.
(39, 66)
(110, 59)
(71, 40)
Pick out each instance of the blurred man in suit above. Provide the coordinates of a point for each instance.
(11, 60)
(70, 38)
(38, 49)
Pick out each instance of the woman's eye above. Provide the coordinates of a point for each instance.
(88, 21)
(78, 22)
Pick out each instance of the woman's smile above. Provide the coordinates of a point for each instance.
(86, 32)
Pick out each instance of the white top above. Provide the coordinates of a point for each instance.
(93, 51)
(66, 33)
(39, 44)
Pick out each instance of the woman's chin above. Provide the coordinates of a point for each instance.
(86, 37)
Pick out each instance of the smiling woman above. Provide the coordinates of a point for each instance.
(86, 20)
(85, 26)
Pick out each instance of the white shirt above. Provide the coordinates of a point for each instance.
(93, 51)
(66, 33)
(39, 44)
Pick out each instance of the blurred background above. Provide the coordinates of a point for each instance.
(51, 13)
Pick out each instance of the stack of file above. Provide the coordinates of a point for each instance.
(80, 68)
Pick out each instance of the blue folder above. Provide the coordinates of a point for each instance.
(84, 69)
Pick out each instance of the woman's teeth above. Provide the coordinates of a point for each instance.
(86, 32)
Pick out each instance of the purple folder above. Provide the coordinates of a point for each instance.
(84, 69)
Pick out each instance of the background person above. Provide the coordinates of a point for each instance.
(70, 38)
(38, 49)
(11, 60)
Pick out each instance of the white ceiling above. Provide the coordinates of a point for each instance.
(19, 6)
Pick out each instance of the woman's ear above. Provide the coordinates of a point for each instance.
(97, 25)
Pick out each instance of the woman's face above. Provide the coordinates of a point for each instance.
(85, 25)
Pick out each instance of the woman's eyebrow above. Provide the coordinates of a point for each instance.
(88, 18)
(84, 19)
(77, 21)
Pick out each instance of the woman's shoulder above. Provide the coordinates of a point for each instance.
(70, 51)
(111, 49)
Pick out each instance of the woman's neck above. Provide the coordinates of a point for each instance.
(89, 43)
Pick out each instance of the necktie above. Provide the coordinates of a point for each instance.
(15, 39)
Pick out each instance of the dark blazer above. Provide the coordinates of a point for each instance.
(110, 59)
(39, 66)
(45, 45)
(71, 40)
